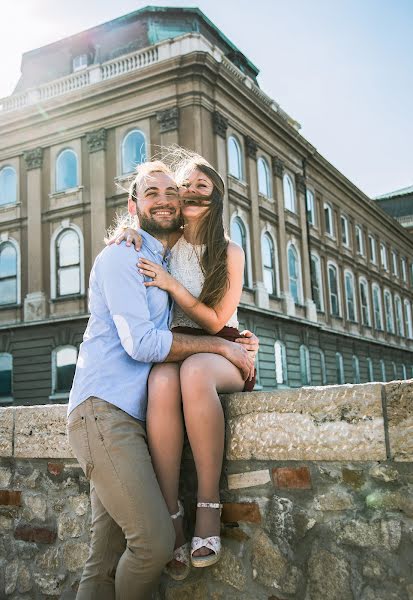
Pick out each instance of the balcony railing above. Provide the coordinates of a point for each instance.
(184, 44)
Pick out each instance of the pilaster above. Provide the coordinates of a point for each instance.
(219, 128)
(310, 307)
(96, 143)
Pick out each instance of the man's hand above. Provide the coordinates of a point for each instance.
(240, 357)
(131, 236)
(249, 341)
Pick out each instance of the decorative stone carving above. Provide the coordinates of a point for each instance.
(35, 306)
(277, 166)
(219, 124)
(168, 119)
(33, 158)
(96, 140)
(300, 183)
(251, 146)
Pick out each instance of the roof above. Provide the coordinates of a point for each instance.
(402, 192)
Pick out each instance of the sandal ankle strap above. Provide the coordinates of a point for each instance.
(209, 505)
(180, 512)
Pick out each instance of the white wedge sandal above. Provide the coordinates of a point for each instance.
(181, 554)
(212, 543)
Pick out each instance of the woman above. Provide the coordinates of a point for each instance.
(205, 282)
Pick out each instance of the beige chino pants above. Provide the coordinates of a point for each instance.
(132, 535)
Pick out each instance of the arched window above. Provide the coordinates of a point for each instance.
(316, 285)
(334, 294)
(8, 273)
(399, 316)
(63, 369)
(8, 186)
(234, 158)
(133, 151)
(318, 366)
(394, 369)
(408, 319)
(389, 311)
(404, 371)
(294, 274)
(370, 370)
(66, 170)
(383, 257)
(289, 194)
(68, 259)
(264, 181)
(280, 356)
(345, 235)
(268, 263)
(339, 368)
(305, 366)
(378, 320)
(364, 303)
(383, 370)
(356, 368)
(239, 236)
(359, 240)
(350, 299)
(6, 377)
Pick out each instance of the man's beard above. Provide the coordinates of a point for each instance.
(151, 226)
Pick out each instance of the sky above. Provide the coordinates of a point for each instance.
(342, 68)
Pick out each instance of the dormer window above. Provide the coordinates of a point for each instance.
(80, 62)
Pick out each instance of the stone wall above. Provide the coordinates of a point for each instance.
(317, 490)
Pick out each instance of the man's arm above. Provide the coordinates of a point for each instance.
(185, 345)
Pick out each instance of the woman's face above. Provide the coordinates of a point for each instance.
(195, 193)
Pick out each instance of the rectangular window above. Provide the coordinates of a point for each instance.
(404, 270)
(383, 257)
(373, 255)
(359, 240)
(80, 62)
(365, 313)
(328, 220)
(311, 214)
(395, 265)
(344, 231)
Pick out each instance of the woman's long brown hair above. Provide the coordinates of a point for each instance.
(214, 260)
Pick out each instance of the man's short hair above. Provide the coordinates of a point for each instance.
(144, 170)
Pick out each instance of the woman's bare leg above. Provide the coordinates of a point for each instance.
(203, 376)
(166, 434)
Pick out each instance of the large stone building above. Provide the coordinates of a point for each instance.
(399, 205)
(328, 278)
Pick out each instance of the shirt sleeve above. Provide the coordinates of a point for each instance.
(126, 299)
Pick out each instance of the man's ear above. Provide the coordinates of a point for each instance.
(131, 206)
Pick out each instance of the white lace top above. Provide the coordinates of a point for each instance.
(186, 268)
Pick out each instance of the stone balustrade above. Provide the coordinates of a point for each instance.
(317, 489)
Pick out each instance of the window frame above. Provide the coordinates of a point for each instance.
(12, 242)
(399, 317)
(407, 316)
(383, 257)
(8, 399)
(3, 169)
(292, 246)
(266, 237)
(363, 282)
(328, 209)
(83, 65)
(374, 287)
(373, 249)
(305, 365)
(389, 312)
(355, 363)
(288, 184)
(233, 138)
(310, 204)
(283, 366)
(370, 369)
(395, 264)
(55, 393)
(267, 173)
(340, 375)
(349, 274)
(345, 231)
(63, 190)
(315, 258)
(54, 262)
(359, 240)
(236, 217)
(332, 265)
(125, 136)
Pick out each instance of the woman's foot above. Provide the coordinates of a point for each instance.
(206, 544)
(178, 568)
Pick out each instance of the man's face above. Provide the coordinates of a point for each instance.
(157, 205)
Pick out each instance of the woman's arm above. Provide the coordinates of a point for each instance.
(210, 319)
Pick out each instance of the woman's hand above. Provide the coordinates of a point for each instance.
(130, 235)
(160, 277)
(249, 341)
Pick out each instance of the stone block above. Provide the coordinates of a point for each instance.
(399, 406)
(40, 535)
(40, 432)
(329, 576)
(374, 534)
(248, 512)
(10, 576)
(270, 567)
(353, 477)
(230, 570)
(6, 431)
(69, 526)
(334, 500)
(298, 478)
(250, 479)
(34, 507)
(401, 501)
(10, 498)
(385, 473)
(5, 477)
(75, 555)
(187, 590)
(318, 423)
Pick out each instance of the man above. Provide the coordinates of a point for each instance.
(128, 332)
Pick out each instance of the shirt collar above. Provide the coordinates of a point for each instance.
(154, 245)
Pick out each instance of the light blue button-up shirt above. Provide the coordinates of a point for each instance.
(127, 331)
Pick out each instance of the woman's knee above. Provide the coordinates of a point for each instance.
(164, 385)
(194, 370)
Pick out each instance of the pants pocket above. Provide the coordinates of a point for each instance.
(79, 442)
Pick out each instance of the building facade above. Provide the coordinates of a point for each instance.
(328, 279)
(399, 205)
